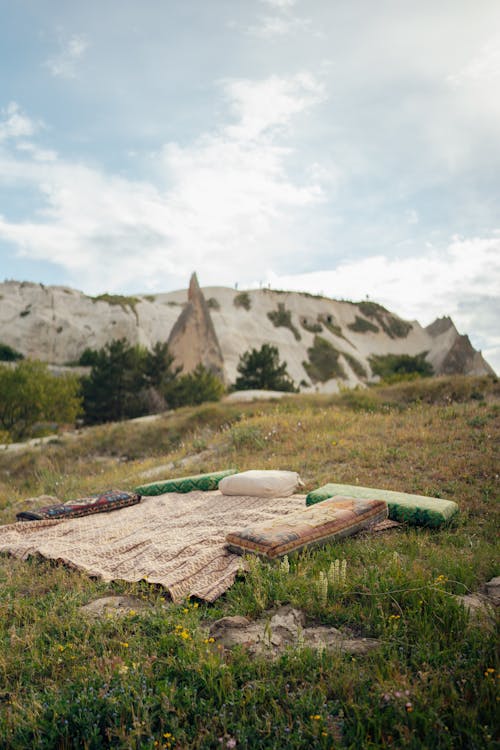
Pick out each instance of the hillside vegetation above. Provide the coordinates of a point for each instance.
(152, 679)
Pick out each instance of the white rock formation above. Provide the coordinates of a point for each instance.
(56, 324)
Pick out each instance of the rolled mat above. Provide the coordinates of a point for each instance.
(203, 482)
(84, 506)
(325, 522)
(413, 509)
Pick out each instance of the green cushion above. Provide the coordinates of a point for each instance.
(414, 509)
(185, 484)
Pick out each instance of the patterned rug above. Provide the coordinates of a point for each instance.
(175, 540)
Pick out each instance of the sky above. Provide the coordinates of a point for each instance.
(342, 147)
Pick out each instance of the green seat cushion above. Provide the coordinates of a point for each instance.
(309, 527)
(414, 509)
(185, 484)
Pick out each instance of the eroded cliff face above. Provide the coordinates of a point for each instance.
(193, 339)
(215, 326)
(452, 353)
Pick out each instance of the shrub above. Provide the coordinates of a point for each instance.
(29, 393)
(117, 299)
(213, 304)
(311, 327)
(88, 357)
(8, 354)
(195, 387)
(242, 300)
(329, 323)
(355, 365)
(394, 367)
(282, 318)
(361, 325)
(262, 370)
(393, 326)
(323, 361)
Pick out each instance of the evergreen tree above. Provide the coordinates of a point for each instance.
(113, 389)
(261, 369)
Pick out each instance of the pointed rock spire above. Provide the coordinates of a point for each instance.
(193, 339)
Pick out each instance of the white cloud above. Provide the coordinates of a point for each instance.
(280, 4)
(263, 106)
(228, 194)
(269, 27)
(14, 124)
(412, 216)
(64, 64)
(483, 68)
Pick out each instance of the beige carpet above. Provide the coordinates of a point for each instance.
(176, 540)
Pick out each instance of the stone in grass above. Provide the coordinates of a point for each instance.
(493, 591)
(481, 605)
(281, 629)
(114, 606)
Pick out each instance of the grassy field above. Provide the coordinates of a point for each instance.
(151, 679)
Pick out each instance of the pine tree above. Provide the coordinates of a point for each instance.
(261, 369)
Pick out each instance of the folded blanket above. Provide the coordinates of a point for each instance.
(310, 527)
(414, 509)
(85, 506)
(205, 482)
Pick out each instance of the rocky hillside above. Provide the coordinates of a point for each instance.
(325, 342)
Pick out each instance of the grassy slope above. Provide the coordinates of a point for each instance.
(142, 681)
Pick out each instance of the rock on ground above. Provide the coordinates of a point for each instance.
(281, 629)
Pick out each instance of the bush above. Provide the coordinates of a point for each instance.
(311, 327)
(355, 365)
(361, 325)
(394, 367)
(323, 361)
(8, 354)
(261, 369)
(88, 357)
(29, 393)
(195, 387)
(329, 322)
(242, 300)
(118, 299)
(213, 304)
(393, 326)
(282, 318)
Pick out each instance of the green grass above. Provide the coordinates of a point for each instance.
(145, 679)
(119, 300)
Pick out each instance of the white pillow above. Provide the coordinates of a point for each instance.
(261, 483)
